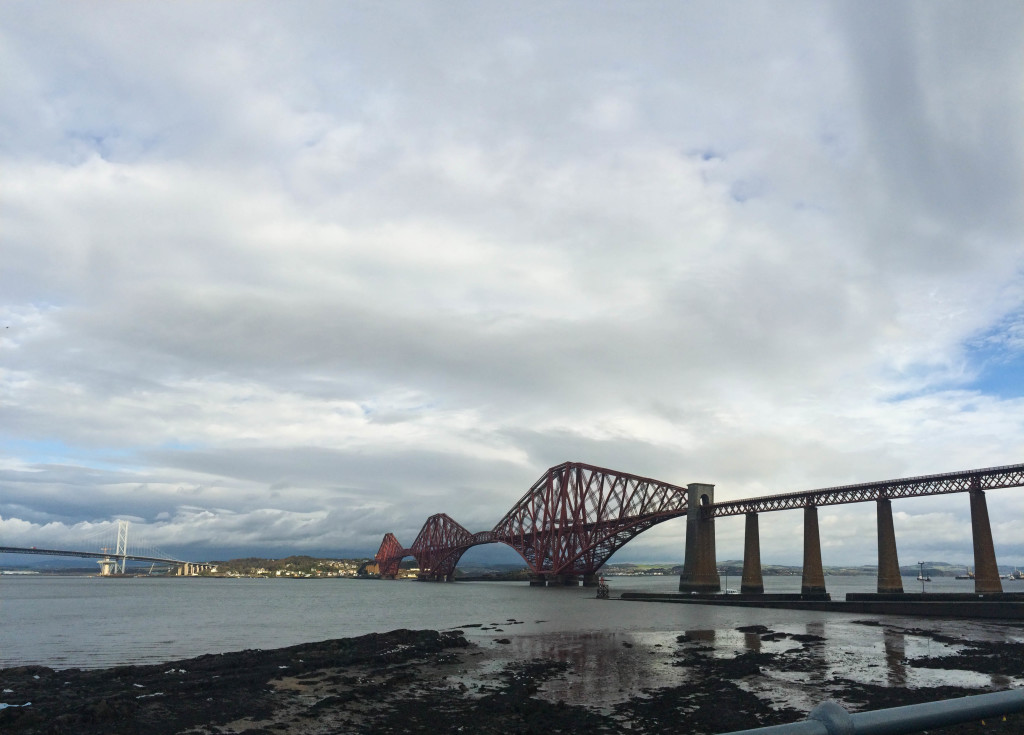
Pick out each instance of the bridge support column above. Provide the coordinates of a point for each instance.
(753, 582)
(889, 579)
(700, 571)
(538, 580)
(986, 571)
(564, 580)
(590, 580)
(813, 582)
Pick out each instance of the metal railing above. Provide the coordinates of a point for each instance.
(830, 718)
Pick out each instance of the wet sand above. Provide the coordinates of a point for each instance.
(484, 678)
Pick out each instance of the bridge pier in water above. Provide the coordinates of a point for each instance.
(813, 582)
(753, 582)
(889, 578)
(986, 571)
(700, 569)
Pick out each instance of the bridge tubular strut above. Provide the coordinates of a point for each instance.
(753, 582)
(889, 579)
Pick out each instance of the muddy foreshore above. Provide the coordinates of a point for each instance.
(440, 682)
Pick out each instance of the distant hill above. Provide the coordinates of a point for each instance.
(318, 566)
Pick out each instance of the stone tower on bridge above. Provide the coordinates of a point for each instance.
(700, 571)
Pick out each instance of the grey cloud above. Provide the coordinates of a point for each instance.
(956, 162)
(327, 270)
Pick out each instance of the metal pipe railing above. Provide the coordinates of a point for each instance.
(830, 718)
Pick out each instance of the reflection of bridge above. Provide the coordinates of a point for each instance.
(115, 563)
(576, 516)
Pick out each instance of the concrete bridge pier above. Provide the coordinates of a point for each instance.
(813, 582)
(564, 580)
(889, 579)
(700, 570)
(538, 580)
(986, 571)
(753, 582)
(590, 580)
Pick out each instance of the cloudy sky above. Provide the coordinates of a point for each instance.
(281, 278)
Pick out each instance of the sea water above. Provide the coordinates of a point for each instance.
(90, 622)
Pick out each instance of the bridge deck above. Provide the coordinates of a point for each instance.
(87, 554)
(991, 478)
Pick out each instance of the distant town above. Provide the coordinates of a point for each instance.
(308, 567)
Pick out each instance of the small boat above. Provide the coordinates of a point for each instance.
(969, 575)
(921, 578)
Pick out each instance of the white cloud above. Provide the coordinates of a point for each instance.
(403, 259)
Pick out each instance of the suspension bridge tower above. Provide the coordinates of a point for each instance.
(116, 566)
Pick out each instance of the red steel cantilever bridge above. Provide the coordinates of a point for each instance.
(575, 516)
(569, 523)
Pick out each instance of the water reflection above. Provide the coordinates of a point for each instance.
(603, 668)
(702, 636)
(814, 651)
(895, 644)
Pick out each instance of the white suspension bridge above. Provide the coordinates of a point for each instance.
(113, 555)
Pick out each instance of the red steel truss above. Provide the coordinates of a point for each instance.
(439, 540)
(569, 522)
(576, 516)
(389, 556)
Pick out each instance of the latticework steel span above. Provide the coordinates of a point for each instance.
(992, 478)
(575, 516)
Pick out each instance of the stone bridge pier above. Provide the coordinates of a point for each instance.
(700, 572)
(700, 568)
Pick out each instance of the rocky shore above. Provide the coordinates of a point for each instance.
(444, 682)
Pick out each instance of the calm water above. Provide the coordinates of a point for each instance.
(83, 622)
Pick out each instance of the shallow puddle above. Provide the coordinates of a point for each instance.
(802, 663)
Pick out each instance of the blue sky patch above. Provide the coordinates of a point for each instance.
(1000, 373)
